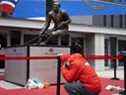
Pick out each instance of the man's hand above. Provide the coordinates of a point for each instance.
(61, 24)
(59, 54)
(66, 65)
(53, 29)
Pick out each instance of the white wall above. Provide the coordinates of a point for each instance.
(88, 20)
(99, 50)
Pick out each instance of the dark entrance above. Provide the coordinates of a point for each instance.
(3, 43)
(121, 47)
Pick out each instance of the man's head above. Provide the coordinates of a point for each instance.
(77, 48)
(56, 8)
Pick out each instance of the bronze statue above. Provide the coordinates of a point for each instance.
(61, 21)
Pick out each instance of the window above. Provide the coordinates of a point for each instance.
(15, 38)
(106, 51)
(65, 40)
(3, 41)
(112, 20)
(53, 40)
(29, 37)
(125, 21)
(121, 21)
(104, 20)
(121, 47)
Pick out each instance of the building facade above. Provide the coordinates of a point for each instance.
(95, 39)
(98, 35)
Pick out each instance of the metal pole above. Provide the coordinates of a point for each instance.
(113, 46)
(58, 76)
(125, 76)
(124, 92)
(115, 70)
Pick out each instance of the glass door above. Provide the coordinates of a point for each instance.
(3, 43)
(121, 47)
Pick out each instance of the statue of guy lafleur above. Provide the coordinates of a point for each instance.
(61, 22)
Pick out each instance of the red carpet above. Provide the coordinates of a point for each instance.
(52, 90)
(106, 82)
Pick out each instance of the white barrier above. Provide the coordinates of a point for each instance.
(19, 71)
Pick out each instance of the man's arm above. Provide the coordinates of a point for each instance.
(70, 72)
(66, 21)
(67, 18)
(47, 24)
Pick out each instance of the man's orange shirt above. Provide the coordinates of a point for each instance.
(80, 69)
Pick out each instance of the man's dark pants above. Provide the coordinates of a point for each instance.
(76, 88)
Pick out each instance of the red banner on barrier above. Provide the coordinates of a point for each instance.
(3, 57)
(88, 57)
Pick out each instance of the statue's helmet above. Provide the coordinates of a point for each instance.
(56, 3)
